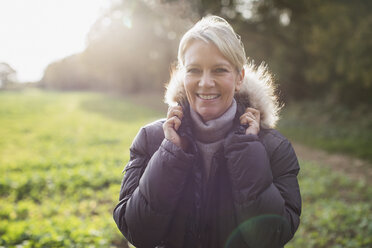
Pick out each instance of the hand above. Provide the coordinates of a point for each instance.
(252, 118)
(171, 125)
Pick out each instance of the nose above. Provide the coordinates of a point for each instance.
(206, 80)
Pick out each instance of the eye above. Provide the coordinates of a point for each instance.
(193, 70)
(220, 70)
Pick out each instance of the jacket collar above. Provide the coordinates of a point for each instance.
(185, 130)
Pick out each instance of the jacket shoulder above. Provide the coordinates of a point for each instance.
(149, 137)
(271, 139)
(154, 127)
(281, 153)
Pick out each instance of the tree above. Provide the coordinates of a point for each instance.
(7, 75)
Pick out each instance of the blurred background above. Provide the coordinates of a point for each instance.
(79, 78)
(316, 49)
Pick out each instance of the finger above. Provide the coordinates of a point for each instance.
(170, 109)
(257, 115)
(242, 118)
(249, 114)
(245, 119)
(170, 132)
(254, 111)
(169, 123)
(175, 112)
(176, 122)
(178, 113)
(172, 122)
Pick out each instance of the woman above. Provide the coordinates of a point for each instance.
(213, 173)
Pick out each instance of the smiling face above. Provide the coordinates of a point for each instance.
(210, 80)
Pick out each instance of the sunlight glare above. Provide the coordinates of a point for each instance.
(37, 32)
(127, 22)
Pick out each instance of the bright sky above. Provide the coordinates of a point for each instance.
(34, 33)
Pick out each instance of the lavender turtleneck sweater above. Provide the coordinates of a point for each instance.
(210, 135)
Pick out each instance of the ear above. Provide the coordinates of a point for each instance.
(239, 79)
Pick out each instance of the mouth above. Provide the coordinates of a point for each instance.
(208, 97)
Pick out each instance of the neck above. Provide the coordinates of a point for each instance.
(216, 129)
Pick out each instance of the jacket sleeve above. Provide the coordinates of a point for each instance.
(267, 204)
(150, 191)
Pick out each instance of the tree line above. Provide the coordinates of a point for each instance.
(318, 49)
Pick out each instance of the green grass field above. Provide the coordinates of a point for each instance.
(61, 157)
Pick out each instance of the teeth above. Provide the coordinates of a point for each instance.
(208, 97)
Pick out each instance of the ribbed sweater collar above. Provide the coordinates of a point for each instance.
(216, 129)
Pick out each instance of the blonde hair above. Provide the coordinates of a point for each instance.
(257, 81)
(218, 31)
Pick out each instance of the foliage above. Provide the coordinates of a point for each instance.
(61, 157)
(336, 211)
(332, 128)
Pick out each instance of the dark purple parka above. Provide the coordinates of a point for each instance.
(251, 199)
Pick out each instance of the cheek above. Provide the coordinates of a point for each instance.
(188, 87)
(229, 95)
(229, 87)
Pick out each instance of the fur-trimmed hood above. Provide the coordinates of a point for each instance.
(257, 91)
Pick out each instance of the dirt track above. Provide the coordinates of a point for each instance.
(355, 168)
